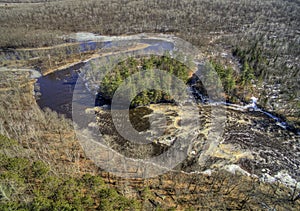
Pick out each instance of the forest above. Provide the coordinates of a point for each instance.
(237, 28)
(131, 66)
(252, 45)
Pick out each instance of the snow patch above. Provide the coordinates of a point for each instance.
(286, 179)
(283, 177)
(207, 172)
(235, 169)
(35, 74)
(267, 178)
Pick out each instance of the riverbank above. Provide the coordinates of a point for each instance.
(251, 143)
(166, 141)
(53, 142)
(90, 56)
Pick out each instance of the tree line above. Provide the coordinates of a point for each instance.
(124, 69)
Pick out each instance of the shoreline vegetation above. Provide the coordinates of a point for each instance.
(233, 82)
(91, 55)
(53, 64)
(239, 85)
(130, 66)
(52, 155)
(254, 47)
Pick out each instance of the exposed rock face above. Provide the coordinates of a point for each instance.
(272, 148)
(118, 143)
(251, 142)
(255, 143)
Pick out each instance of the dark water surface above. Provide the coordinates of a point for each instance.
(56, 90)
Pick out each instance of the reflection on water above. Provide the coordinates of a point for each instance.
(159, 45)
(56, 90)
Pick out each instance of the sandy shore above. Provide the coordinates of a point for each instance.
(48, 47)
(94, 56)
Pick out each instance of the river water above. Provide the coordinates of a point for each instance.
(55, 90)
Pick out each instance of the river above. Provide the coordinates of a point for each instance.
(55, 90)
(249, 128)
